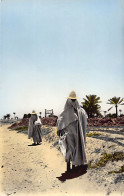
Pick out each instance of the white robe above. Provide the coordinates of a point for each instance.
(73, 126)
(34, 129)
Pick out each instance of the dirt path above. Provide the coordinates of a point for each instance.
(32, 170)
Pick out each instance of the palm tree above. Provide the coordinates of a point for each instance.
(91, 105)
(105, 113)
(120, 112)
(116, 101)
(7, 116)
(14, 114)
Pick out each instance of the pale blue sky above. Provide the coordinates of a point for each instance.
(51, 47)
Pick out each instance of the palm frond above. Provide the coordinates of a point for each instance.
(110, 108)
(121, 100)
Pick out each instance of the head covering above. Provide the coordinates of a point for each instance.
(71, 104)
(72, 95)
(33, 112)
(68, 115)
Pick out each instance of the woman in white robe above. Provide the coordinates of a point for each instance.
(34, 130)
(71, 128)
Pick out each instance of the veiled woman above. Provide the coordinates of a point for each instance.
(34, 130)
(71, 128)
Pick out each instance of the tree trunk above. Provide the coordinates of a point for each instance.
(116, 110)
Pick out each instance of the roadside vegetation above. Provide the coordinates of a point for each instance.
(116, 156)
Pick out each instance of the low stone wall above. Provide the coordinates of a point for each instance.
(119, 121)
(92, 122)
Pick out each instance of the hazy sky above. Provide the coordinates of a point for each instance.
(51, 47)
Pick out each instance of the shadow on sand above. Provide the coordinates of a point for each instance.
(34, 144)
(73, 173)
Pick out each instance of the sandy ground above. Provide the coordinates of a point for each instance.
(33, 170)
